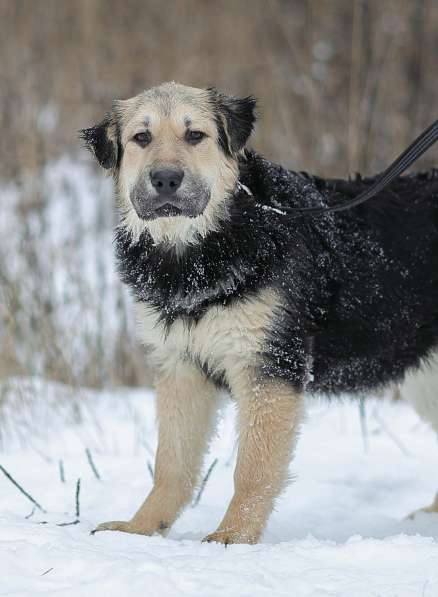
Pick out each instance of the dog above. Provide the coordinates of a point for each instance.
(233, 293)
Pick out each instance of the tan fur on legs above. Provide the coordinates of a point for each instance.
(186, 408)
(269, 417)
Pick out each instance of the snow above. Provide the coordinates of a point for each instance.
(339, 529)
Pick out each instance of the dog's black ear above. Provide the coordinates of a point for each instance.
(235, 118)
(101, 139)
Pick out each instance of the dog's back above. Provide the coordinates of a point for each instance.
(384, 314)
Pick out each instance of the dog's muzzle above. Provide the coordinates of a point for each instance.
(166, 198)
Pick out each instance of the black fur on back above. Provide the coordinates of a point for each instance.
(360, 287)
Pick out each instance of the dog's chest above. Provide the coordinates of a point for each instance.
(224, 337)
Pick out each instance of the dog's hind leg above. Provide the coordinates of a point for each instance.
(269, 417)
(186, 408)
(420, 388)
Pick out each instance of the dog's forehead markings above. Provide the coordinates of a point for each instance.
(185, 106)
(171, 95)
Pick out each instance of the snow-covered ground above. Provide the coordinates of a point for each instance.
(339, 530)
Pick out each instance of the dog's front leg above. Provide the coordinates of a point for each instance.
(186, 409)
(269, 417)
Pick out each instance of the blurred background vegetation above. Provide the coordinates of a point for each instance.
(343, 86)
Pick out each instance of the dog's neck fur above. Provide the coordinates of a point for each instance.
(184, 281)
(239, 255)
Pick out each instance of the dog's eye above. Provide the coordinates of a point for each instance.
(143, 138)
(194, 137)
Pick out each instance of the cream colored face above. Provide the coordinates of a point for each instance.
(173, 150)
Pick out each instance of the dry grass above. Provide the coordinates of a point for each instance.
(343, 86)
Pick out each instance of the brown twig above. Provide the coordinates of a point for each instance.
(61, 471)
(23, 491)
(151, 469)
(91, 463)
(204, 483)
(47, 572)
(78, 505)
(30, 514)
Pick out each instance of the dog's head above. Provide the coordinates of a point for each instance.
(173, 151)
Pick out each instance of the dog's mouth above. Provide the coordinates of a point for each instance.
(168, 210)
(151, 206)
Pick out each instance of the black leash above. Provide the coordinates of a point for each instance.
(415, 150)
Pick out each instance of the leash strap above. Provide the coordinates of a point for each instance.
(415, 150)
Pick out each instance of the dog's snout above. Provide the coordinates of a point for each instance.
(166, 180)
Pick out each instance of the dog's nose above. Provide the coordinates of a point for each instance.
(166, 181)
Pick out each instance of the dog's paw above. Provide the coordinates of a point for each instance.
(228, 537)
(432, 509)
(114, 525)
(428, 510)
(133, 526)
